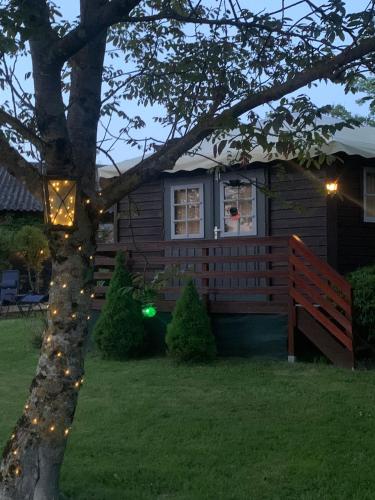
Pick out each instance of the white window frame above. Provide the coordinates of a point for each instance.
(254, 231)
(186, 236)
(366, 170)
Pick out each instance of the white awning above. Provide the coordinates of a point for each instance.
(357, 141)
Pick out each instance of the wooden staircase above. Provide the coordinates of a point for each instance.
(320, 306)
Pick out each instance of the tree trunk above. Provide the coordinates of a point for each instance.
(33, 456)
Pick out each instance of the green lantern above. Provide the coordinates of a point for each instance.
(149, 311)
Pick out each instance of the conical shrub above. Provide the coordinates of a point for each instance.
(189, 335)
(119, 331)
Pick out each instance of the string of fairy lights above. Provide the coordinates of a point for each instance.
(60, 213)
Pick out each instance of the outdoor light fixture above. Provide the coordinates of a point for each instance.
(60, 202)
(149, 311)
(332, 187)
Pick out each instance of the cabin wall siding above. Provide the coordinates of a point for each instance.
(148, 217)
(144, 221)
(307, 218)
(356, 238)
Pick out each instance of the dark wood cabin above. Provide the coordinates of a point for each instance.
(283, 254)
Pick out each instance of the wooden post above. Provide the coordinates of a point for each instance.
(205, 281)
(292, 320)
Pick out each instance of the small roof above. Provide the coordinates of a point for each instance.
(14, 195)
(352, 141)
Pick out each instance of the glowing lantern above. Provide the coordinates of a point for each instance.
(60, 202)
(149, 311)
(332, 187)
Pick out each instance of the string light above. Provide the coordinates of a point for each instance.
(59, 354)
(49, 338)
(88, 317)
(76, 384)
(34, 421)
(82, 292)
(52, 428)
(54, 312)
(15, 452)
(12, 436)
(27, 407)
(79, 248)
(66, 432)
(67, 372)
(66, 236)
(64, 285)
(17, 471)
(51, 283)
(92, 295)
(91, 257)
(74, 315)
(41, 252)
(87, 202)
(101, 211)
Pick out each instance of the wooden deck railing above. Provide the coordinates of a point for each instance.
(234, 275)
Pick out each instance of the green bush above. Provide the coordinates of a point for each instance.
(189, 336)
(119, 331)
(363, 283)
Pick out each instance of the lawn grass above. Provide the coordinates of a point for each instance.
(237, 429)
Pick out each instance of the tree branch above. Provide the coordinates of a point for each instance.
(112, 13)
(167, 156)
(17, 166)
(21, 129)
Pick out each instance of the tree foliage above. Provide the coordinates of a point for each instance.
(363, 282)
(189, 336)
(32, 245)
(365, 86)
(119, 331)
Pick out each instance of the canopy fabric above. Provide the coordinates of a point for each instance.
(357, 141)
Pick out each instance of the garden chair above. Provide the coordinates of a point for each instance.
(9, 286)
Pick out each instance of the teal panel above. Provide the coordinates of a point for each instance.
(248, 335)
(262, 335)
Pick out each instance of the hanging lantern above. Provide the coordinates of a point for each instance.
(149, 311)
(60, 202)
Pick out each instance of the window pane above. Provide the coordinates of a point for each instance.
(193, 195)
(180, 196)
(180, 228)
(193, 211)
(246, 224)
(245, 192)
(230, 193)
(193, 227)
(370, 183)
(370, 206)
(180, 213)
(230, 226)
(245, 208)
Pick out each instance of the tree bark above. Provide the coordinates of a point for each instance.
(33, 456)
